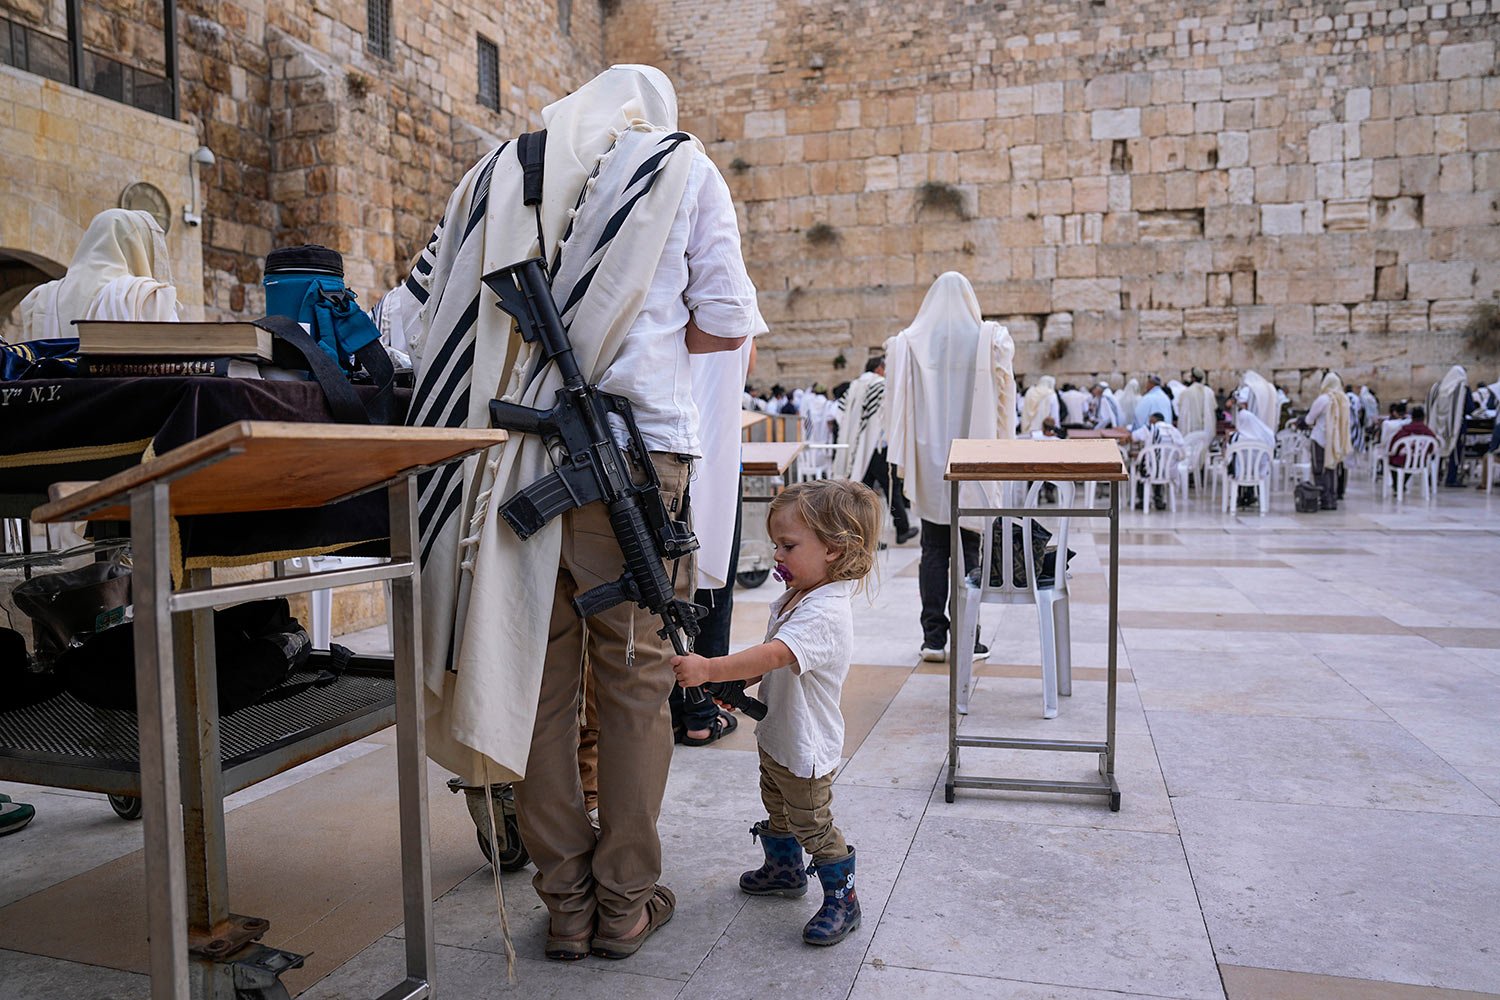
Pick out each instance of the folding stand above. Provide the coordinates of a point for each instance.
(1023, 461)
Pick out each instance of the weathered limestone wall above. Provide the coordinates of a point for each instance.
(1132, 185)
(65, 156)
(318, 140)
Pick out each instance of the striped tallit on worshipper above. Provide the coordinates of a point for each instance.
(861, 426)
(612, 185)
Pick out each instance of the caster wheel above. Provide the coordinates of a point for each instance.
(513, 856)
(754, 578)
(125, 806)
(947, 793)
(1114, 802)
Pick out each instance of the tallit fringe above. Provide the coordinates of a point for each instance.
(510, 947)
(470, 542)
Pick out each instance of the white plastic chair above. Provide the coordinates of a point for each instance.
(1051, 602)
(1489, 470)
(1377, 457)
(1160, 465)
(1197, 457)
(1418, 458)
(1247, 464)
(1292, 463)
(320, 602)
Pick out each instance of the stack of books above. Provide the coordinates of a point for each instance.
(127, 349)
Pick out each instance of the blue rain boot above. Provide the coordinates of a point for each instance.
(782, 874)
(839, 916)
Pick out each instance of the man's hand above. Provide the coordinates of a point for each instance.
(691, 670)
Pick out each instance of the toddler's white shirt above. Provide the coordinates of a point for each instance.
(804, 730)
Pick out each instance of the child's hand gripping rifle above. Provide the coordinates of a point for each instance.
(589, 466)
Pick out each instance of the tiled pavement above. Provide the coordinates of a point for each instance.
(1309, 721)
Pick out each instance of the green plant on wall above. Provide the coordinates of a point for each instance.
(942, 196)
(839, 361)
(1482, 332)
(821, 234)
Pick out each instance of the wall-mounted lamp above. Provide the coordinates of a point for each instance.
(202, 157)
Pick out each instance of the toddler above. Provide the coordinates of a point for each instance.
(825, 532)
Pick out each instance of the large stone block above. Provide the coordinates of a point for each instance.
(1086, 293)
(1122, 123)
(1466, 59)
(1440, 280)
(1281, 220)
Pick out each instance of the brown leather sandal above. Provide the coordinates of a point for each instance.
(659, 910)
(561, 949)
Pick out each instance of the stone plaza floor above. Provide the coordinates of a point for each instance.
(1309, 755)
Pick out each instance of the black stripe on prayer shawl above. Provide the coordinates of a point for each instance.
(417, 291)
(648, 172)
(443, 485)
(462, 335)
(477, 210)
(450, 506)
(424, 266)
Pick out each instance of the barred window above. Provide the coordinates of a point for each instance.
(378, 35)
(489, 73)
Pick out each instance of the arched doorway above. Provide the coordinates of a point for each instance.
(20, 272)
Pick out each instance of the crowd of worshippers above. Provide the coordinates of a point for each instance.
(1167, 411)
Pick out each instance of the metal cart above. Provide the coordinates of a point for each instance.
(198, 947)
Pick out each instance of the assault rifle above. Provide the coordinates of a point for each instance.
(589, 467)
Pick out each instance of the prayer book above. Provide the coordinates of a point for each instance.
(155, 365)
(98, 338)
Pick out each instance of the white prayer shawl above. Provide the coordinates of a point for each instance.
(862, 426)
(718, 383)
(1040, 403)
(1336, 439)
(1369, 404)
(1445, 408)
(487, 595)
(120, 271)
(948, 375)
(1110, 414)
(1195, 409)
(1127, 399)
(1174, 389)
(1249, 427)
(1263, 399)
(816, 412)
(1075, 404)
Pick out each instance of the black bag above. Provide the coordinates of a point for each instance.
(22, 683)
(257, 647)
(70, 607)
(1045, 558)
(1308, 497)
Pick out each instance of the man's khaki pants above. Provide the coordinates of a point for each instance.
(583, 876)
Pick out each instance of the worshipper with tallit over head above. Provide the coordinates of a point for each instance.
(1129, 398)
(949, 376)
(1248, 427)
(1448, 405)
(1040, 402)
(1371, 406)
(1265, 401)
(1196, 408)
(1328, 420)
(1155, 400)
(120, 271)
(645, 263)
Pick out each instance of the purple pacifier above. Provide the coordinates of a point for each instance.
(782, 573)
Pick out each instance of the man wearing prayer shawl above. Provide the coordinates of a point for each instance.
(1328, 419)
(1040, 403)
(120, 271)
(640, 236)
(1195, 406)
(1248, 427)
(950, 376)
(865, 455)
(1075, 405)
(1128, 399)
(1448, 406)
(1103, 409)
(1264, 400)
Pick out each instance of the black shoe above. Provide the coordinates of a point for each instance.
(902, 537)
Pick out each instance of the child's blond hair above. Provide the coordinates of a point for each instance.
(845, 515)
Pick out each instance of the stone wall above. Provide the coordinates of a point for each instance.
(65, 156)
(319, 140)
(1131, 185)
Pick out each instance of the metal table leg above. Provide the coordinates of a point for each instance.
(955, 581)
(411, 747)
(156, 705)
